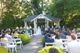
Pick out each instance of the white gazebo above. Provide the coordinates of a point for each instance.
(38, 18)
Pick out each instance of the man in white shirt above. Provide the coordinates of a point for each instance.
(73, 46)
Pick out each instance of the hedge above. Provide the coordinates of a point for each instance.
(46, 49)
(25, 38)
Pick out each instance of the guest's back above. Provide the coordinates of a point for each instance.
(73, 46)
(48, 38)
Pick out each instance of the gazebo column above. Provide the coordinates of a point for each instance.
(35, 25)
(58, 24)
(46, 24)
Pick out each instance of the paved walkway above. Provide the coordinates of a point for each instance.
(32, 47)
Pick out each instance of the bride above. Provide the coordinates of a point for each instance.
(38, 31)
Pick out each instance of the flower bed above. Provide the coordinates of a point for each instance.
(47, 48)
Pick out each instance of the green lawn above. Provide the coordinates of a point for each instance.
(3, 50)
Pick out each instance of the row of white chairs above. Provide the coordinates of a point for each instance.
(12, 44)
(64, 42)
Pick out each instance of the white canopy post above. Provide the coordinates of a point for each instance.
(35, 25)
(58, 24)
(46, 23)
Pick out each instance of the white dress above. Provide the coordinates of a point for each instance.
(38, 31)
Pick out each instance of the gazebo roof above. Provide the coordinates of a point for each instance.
(42, 16)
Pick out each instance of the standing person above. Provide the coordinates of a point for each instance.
(17, 29)
(73, 46)
(30, 30)
(21, 31)
(25, 30)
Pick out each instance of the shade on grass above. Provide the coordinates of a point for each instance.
(3, 50)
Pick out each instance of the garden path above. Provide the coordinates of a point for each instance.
(33, 46)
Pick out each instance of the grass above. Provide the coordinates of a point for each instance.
(3, 50)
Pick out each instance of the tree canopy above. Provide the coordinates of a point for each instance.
(13, 10)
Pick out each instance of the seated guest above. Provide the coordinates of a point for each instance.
(15, 34)
(75, 34)
(73, 46)
(57, 36)
(58, 41)
(55, 49)
(63, 34)
(52, 32)
(48, 38)
(3, 40)
(21, 31)
(8, 35)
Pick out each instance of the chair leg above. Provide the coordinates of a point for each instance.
(9, 50)
(20, 46)
(15, 49)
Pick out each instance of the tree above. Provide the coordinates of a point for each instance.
(36, 6)
(14, 10)
(65, 9)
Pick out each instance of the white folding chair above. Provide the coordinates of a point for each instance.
(11, 46)
(49, 43)
(18, 42)
(78, 35)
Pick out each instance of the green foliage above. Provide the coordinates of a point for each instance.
(13, 12)
(36, 6)
(42, 39)
(65, 9)
(74, 22)
(57, 8)
(25, 38)
(3, 50)
(46, 49)
(10, 22)
(14, 9)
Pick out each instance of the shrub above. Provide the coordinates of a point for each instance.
(25, 38)
(47, 48)
(16, 34)
(42, 39)
(3, 50)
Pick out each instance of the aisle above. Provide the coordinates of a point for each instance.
(32, 47)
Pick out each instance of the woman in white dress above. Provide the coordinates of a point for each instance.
(38, 32)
